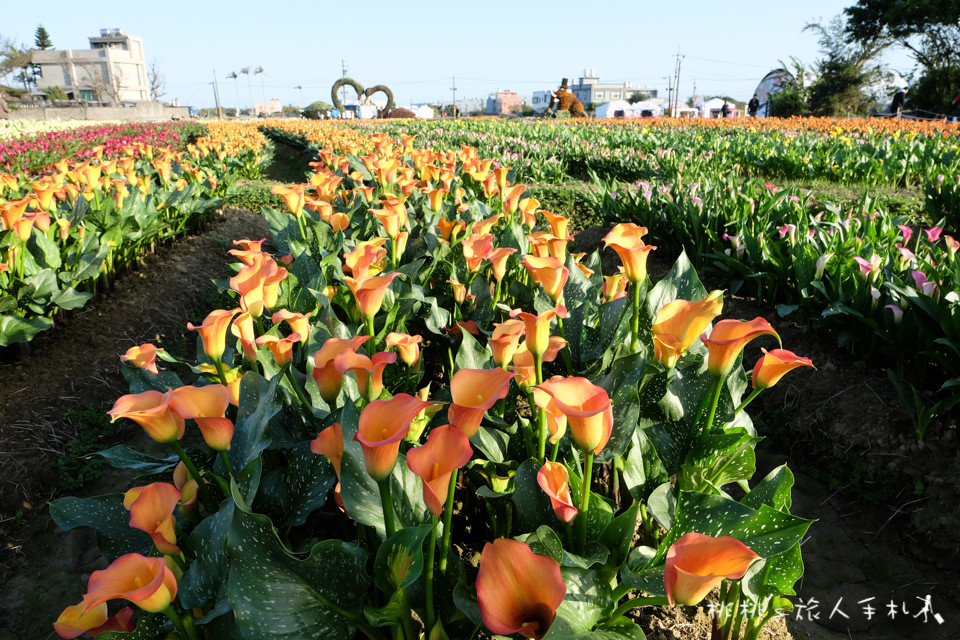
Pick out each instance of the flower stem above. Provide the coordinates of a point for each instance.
(371, 345)
(205, 496)
(541, 413)
(296, 390)
(635, 322)
(567, 362)
(431, 556)
(220, 373)
(177, 621)
(743, 405)
(386, 501)
(584, 501)
(633, 603)
(707, 426)
(226, 463)
(447, 522)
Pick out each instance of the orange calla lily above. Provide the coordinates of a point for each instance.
(213, 332)
(549, 273)
(76, 621)
(588, 410)
(281, 348)
(696, 563)
(484, 226)
(329, 443)
(382, 426)
(298, 322)
(143, 357)
(558, 224)
(774, 365)
(242, 329)
(206, 405)
(293, 197)
(517, 590)
(556, 419)
(525, 366)
(506, 340)
(473, 392)
(678, 324)
(146, 582)
(407, 346)
(626, 240)
(537, 327)
(447, 449)
(367, 259)
(151, 510)
(614, 287)
(370, 292)
(476, 249)
(498, 258)
(151, 410)
(368, 371)
(728, 339)
(554, 481)
(325, 372)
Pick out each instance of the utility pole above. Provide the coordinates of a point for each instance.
(454, 89)
(216, 95)
(669, 80)
(676, 83)
(343, 90)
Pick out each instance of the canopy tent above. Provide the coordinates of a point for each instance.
(713, 107)
(623, 109)
(423, 112)
(773, 82)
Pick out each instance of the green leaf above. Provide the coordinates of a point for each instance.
(774, 491)
(544, 542)
(533, 505)
(45, 251)
(258, 403)
(140, 380)
(123, 457)
(718, 459)
(617, 537)
(299, 486)
(14, 329)
(471, 355)
(492, 442)
(70, 298)
(275, 595)
(148, 628)
(40, 286)
(106, 516)
(204, 585)
(588, 598)
(399, 560)
(390, 614)
(680, 283)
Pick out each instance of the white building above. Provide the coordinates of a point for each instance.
(270, 108)
(113, 70)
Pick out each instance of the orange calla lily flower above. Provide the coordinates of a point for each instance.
(447, 449)
(696, 563)
(614, 287)
(678, 323)
(554, 481)
(383, 425)
(774, 365)
(537, 327)
(473, 392)
(549, 273)
(367, 259)
(370, 292)
(476, 249)
(213, 332)
(369, 371)
(206, 405)
(498, 258)
(143, 357)
(242, 329)
(329, 443)
(325, 372)
(558, 224)
(76, 621)
(506, 340)
(484, 226)
(408, 346)
(556, 419)
(447, 228)
(298, 322)
(517, 590)
(728, 339)
(528, 211)
(281, 348)
(151, 510)
(293, 197)
(146, 582)
(625, 239)
(525, 366)
(151, 410)
(588, 410)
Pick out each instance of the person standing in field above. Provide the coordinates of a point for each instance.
(725, 109)
(753, 106)
(896, 107)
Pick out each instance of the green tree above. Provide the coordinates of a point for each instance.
(526, 111)
(930, 29)
(791, 99)
(845, 72)
(290, 112)
(55, 93)
(314, 109)
(41, 39)
(638, 96)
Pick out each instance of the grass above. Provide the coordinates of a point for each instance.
(906, 201)
(77, 466)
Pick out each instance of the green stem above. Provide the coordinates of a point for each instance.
(556, 450)
(635, 322)
(177, 621)
(406, 620)
(447, 521)
(431, 557)
(303, 232)
(707, 426)
(371, 344)
(209, 502)
(584, 501)
(178, 560)
(729, 610)
(541, 413)
(296, 389)
(633, 603)
(743, 405)
(619, 592)
(386, 501)
(226, 463)
(220, 372)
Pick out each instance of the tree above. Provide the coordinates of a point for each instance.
(233, 76)
(930, 29)
(41, 39)
(246, 71)
(791, 99)
(638, 96)
(55, 93)
(158, 86)
(526, 111)
(259, 72)
(314, 109)
(846, 72)
(290, 112)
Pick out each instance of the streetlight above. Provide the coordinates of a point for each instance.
(300, 87)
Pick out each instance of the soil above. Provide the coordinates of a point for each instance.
(884, 529)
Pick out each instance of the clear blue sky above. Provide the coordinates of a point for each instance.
(417, 46)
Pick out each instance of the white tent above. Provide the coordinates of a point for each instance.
(423, 112)
(623, 109)
(712, 108)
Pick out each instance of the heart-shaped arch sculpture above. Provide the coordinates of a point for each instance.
(344, 82)
(385, 89)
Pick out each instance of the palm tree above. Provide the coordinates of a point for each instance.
(259, 71)
(246, 71)
(233, 76)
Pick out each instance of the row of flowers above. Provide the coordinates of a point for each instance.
(68, 231)
(16, 128)
(323, 468)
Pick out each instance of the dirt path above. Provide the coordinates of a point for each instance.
(838, 423)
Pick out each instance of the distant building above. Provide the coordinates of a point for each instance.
(465, 106)
(268, 108)
(504, 102)
(589, 89)
(113, 70)
(541, 100)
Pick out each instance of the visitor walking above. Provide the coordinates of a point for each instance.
(725, 109)
(753, 106)
(896, 107)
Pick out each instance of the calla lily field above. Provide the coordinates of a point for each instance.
(422, 415)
